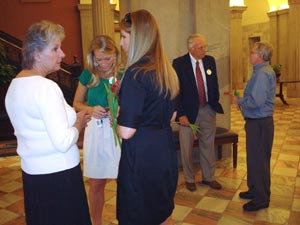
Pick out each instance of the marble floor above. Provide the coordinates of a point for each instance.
(205, 206)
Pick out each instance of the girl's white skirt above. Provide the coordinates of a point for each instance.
(100, 154)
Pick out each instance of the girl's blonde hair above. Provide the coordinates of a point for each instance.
(106, 45)
(145, 42)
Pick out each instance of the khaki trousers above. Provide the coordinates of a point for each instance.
(206, 120)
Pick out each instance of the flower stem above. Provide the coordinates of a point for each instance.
(113, 108)
(195, 128)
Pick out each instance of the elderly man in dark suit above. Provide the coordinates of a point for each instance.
(198, 103)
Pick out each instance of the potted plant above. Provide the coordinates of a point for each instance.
(7, 71)
(277, 70)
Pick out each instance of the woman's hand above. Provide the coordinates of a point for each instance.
(98, 112)
(83, 118)
(79, 103)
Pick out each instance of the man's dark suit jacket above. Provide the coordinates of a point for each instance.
(188, 102)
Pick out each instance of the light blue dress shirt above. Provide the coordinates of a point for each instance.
(259, 94)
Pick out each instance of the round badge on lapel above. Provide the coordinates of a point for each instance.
(208, 71)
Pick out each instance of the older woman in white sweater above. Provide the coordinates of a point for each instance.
(47, 130)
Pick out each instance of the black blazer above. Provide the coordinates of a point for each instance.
(187, 102)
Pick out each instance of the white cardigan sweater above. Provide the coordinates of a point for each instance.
(43, 124)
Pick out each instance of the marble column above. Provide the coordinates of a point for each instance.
(212, 19)
(274, 35)
(279, 39)
(236, 47)
(294, 48)
(86, 24)
(103, 18)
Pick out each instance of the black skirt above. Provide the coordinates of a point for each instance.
(56, 199)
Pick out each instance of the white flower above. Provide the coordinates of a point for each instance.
(112, 80)
(208, 71)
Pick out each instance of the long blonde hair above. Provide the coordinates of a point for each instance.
(106, 45)
(145, 42)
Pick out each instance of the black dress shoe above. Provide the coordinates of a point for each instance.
(190, 186)
(246, 195)
(251, 206)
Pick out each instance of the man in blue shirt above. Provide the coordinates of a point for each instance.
(257, 106)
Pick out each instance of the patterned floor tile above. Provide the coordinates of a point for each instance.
(213, 204)
(205, 205)
(273, 215)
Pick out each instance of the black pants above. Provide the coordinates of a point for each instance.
(259, 141)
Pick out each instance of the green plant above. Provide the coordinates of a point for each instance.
(277, 68)
(7, 71)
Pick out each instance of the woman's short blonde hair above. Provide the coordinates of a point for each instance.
(37, 38)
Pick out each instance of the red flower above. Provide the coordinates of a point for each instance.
(114, 87)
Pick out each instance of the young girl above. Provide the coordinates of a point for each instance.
(101, 155)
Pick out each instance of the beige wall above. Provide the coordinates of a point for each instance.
(251, 34)
(262, 31)
(255, 27)
(256, 12)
